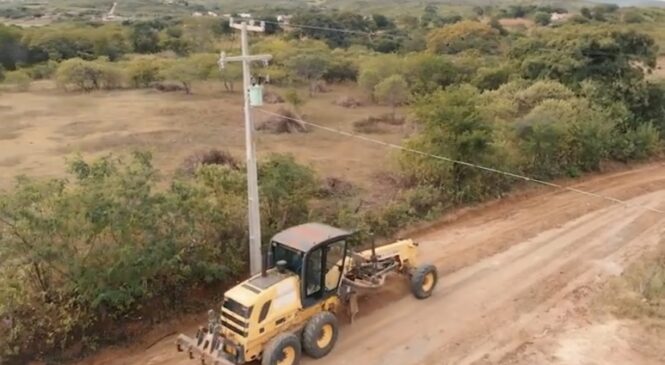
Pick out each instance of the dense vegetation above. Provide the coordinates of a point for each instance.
(111, 243)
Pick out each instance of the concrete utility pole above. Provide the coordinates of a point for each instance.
(255, 260)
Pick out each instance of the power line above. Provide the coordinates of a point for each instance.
(464, 163)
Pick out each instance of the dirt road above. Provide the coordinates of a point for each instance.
(512, 273)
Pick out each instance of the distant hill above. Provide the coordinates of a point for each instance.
(624, 3)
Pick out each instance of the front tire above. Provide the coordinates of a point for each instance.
(320, 335)
(423, 281)
(284, 349)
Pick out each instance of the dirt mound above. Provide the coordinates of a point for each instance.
(336, 187)
(285, 122)
(167, 87)
(270, 97)
(348, 102)
(210, 157)
(378, 124)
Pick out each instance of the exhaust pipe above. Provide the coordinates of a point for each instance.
(267, 261)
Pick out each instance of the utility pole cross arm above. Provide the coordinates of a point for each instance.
(223, 58)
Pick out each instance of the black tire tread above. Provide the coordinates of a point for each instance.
(311, 332)
(417, 278)
(274, 348)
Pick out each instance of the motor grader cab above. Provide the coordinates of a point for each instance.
(292, 306)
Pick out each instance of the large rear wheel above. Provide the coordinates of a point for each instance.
(423, 281)
(320, 334)
(284, 349)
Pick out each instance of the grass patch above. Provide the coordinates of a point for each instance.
(639, 293)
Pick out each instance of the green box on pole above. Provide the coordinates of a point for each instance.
(256, 95)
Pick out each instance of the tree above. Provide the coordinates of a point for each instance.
(382, 22)
(453, 126)
(145, 37)
(230, 74)
(491, 78)
(188, 70)
(632, 17)
(427, 72)
(542, 18)
(430, 16)
(392, 91)
(79, 74)
(19, 79)
(315, 22)
(144, 71)
(12, 51)
(586, 13)
(580, 52)
(293, 98)
(368, 80)
(309, 67)
(461, 36)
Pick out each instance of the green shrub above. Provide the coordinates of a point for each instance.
(632, 17)
(82, 75)
(542, 18)
(491, 78)
(19, 80)
(43, 71)
(144, 71)
(636, 144)
(79, 254)
(196, 67)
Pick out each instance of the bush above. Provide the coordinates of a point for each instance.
(19, 80)
(454, 127)
(81, 253)
(564, 137)
(542, 18)
(43, 71)
(81, 75)
(491, 78)
(540, 91)
(144, 71)
(462, 36)
(636, 144)
(196, 67)
(640, 291)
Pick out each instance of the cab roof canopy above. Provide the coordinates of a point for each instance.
(309, 235)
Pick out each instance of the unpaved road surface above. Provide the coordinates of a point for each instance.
(511, 274)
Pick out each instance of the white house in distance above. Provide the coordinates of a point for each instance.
(560, 17)
(284, 19)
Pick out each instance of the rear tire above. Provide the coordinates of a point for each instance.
(423, 281)
(320, 335)
(284, 349)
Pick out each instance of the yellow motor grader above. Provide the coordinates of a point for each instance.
(292, 306)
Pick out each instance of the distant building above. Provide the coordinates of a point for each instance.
(284, 18)
(212, 13)
(196, 13)
(560, 17)
(245, 15)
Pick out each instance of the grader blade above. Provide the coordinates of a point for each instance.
(206, 347)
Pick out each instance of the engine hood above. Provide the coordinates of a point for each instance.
(255, 288)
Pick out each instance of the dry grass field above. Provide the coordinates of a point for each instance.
(41, 128)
